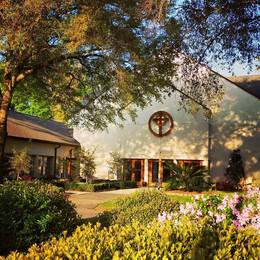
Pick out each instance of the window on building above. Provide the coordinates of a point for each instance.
(190, 162)
(127, 170)
(137, 170)
(167, 169)
(44, 166)
(133, 169)
(155, 170)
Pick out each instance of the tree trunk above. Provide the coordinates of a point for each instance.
(5, 101)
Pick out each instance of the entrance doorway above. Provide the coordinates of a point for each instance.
(154, 170)
(134, 170)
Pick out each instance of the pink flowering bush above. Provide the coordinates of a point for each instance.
(240, 210)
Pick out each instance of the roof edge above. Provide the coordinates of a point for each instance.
(224, 77)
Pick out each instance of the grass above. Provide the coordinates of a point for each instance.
(181, 198)
(110, 204)
(107, 205)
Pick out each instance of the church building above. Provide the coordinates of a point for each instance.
(163, 133)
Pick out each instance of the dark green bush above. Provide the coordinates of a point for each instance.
(156, 241)
(79, 186)
(143, 206)
(99, 186)
(30, 212)
(188, 178)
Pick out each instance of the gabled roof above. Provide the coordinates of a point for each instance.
(249, 83)
(31, 127)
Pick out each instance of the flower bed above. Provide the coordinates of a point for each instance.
(210, 227)
(153, 241)
(240, 210)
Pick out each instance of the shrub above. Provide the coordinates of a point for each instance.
(156, 241)
(116, 164)
(143, 206)
(235, 169)
(20, 163)
(99, 186)
(188, 178)
(127, 184)
(80, 186)
(239, 210)
(30, 212)
(87, 164)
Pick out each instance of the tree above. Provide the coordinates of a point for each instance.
(116, 165)
(235, 169)
(20, 162)
(87, 164)
(93, 58)
(220, 31)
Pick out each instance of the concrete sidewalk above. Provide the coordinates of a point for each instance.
(87, 202)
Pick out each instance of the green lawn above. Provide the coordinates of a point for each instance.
(110, 204)
(107, 205)
(181, 198)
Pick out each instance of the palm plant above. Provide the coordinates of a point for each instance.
(189, 177)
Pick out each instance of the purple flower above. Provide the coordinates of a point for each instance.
(220, 217)
(256, 221)
(199, 213)
(236, 223)
(162, 217)
(252, 192)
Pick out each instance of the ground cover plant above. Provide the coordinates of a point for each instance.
(31, 212)
(240, 210)
(165, 231)
(154, 241)
(142, 206)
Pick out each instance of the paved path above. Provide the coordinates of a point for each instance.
(87, 202)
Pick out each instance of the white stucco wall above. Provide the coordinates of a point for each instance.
(236, 126)
(188, 139)
(36, 148)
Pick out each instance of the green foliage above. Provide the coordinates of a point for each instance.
(181, 198)
(188, 178)
(32, 100)
(87, 164)
(116, 166)
(221, 32)
(235, 169)
(92, 59)
(100, 186)
(143, 206)
(31, 212)
(20, 162)
(156, 241)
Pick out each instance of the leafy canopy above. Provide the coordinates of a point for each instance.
(91, 58)
(220, 31)
(90, 61)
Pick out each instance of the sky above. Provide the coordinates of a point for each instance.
(237, 70)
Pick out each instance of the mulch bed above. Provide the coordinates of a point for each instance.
(189, 193)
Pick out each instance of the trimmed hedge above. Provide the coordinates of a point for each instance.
(94, 187)
(156, 241)
(143, 206)
(31, 212)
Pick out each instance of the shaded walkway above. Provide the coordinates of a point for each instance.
(87, 202)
